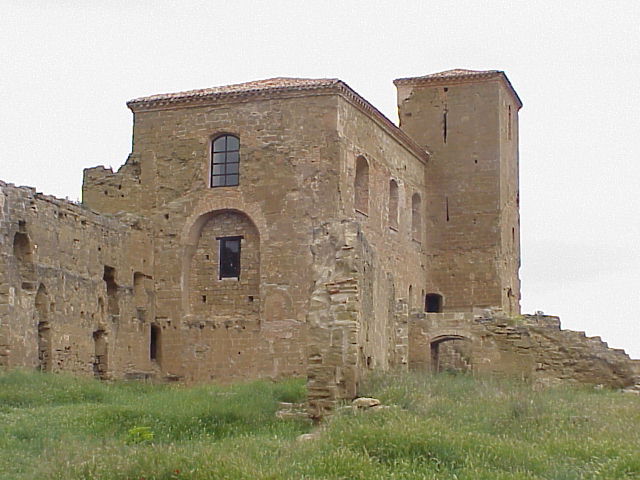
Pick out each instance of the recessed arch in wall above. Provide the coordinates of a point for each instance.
(416, 217)
(393, 204)
(361, 185)
(210, 290)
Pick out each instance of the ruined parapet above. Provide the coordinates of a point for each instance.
(107, 191)
(532, 347)
(569, 356)
(67, 284)
(335, 316)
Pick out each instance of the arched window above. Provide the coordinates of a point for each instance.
(416, 217)
(393, 204)
(225, 161)
(361, 185)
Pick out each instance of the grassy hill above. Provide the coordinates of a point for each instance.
(442, 427)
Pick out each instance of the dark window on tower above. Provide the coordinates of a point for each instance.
(154, 343)
(229, 257)
(433, 303)
(225, 161)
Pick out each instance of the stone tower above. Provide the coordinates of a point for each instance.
(468, 120)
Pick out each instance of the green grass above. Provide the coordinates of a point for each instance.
(443, 427)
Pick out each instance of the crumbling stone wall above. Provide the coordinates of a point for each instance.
(533, 347)
(59, 308)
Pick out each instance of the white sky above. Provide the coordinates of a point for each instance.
(68, 67)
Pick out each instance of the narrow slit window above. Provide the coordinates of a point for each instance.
(225, 161)
(229, 257)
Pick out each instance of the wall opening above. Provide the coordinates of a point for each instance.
(393, 204)
(220, 285)
(361, 185)
(45, 360)
(100, 359)
(451, 355)
(446, 206)
(155, 348)
(23, 252)
(416, 217)
(433, 303)
(109, 277)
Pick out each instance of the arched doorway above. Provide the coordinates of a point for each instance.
(101, 354)
(45, 360)
(451, 353)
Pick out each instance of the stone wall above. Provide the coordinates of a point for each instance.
(67, 287)
(533, 347)
(471, 191)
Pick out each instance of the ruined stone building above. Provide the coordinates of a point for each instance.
(286, 227)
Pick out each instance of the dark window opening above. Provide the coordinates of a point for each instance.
(100, 366)
(444, 126)
(225, 161)
(229, 257)
(433, 303)
(154, 343)
(109, 277)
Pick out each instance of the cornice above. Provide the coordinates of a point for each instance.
(457, 78)
(199, 98)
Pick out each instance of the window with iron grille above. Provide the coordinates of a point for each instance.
(225, 161)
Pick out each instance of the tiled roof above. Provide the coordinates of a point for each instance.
(456, 72)
(278, 83)
(460, 74)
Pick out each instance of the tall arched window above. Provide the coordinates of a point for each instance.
(393, 204)
(416, 217)
(225, 161)
(361, 185)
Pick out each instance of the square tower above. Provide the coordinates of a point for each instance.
(468, 120)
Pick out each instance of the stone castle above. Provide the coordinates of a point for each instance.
(285, 227)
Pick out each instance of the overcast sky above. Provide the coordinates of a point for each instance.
(68, 67)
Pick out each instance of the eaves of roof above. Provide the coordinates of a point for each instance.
(460, 75)
(275, 88)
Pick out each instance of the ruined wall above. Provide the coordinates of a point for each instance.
(67, 287)
(471, 188)
(395, 271)
(340, 315)
(530, 346)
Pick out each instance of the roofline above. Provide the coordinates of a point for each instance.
(331, 86)
(462, 78)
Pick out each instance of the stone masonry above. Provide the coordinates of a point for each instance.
(285, 227)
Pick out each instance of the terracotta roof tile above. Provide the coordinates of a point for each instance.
(254, 86)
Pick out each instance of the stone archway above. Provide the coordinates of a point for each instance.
(221, 265)
(450, 353)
